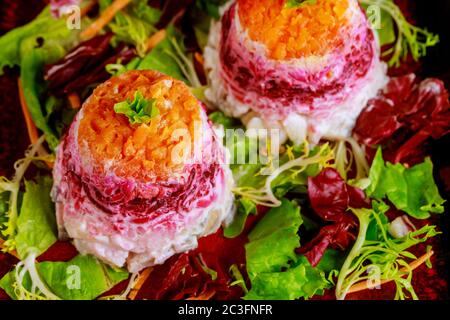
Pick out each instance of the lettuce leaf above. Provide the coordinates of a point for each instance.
(219, 118)
(42, 41)
(274, 269)
(4, 198)
(35, 53)
(245, 207)
(10, 54)
(36, 223)
(386, 30)
(412, 190)
(410, 40)
(163, 57)
(140, 110)
(134, 25)
(82, 278)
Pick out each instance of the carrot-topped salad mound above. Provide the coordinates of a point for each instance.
(139, 146)
(147, 182)
(128, 186)
(307, 69)
(295, 32)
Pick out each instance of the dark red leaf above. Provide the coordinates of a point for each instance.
(182, 276)
(404, 117)
(330, 198)
(85, 65)
(82, 58)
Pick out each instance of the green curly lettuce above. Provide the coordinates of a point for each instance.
(275, 271)
(376, 256)
(82, 278)
(409, 40)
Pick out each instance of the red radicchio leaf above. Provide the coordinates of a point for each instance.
(330, 198)
(85, 65)
(404, 117)
(182, 276)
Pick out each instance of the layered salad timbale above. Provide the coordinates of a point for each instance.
(150, 173)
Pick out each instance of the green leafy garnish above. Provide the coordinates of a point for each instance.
(32, 46)
(171, 58)
(274, 269)
(412, 190)
(296, 165)
(10, 195)
(82, 278)
(298, 3)
(238, 278)
(218, 117)
(36, 225)
(139, 110)
(410, 39)
(376, 256)
(245, 207)
(211, 272)
(134, 25)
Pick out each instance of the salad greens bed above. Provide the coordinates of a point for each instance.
(329, 190)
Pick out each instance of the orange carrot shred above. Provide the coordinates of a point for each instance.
(104, 19)
(363, 285)
(74, 101)
(199, 58)
(31, 128)
(33, 134)
(204, 296)
(85, 10)
(155, 39)
(139, 283)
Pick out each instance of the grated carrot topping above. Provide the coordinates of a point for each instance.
(141, 151)
(289, 33)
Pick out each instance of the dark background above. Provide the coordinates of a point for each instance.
(435, 15)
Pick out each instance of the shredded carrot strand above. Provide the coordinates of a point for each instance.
(85, 10)
(31, 128)
(199, 58)
(74, 101)
(13, 252)
(139, 283)
(104, 19)
(363, 285)
(204, 296)
(33, 134)
(155, 39)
